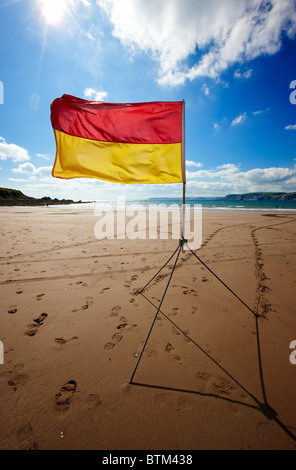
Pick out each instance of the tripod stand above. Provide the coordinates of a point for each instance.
(182, 242)
(176, 253)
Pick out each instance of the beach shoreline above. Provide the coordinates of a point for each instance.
(73, 324)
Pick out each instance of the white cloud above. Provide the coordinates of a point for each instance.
(29, 169)
(95, 95)
(89, 35)
(25, 168)
(43, 155)
(245, 74)
(239, 119)
(291, 127)
(222, 171)
(223, 33)
(12, 151)
(17, 180)
(216, 126)
(224, 179)
(205, 89)
(228, 178)
(85, 3)
(192, 163)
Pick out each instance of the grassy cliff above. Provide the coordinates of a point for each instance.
(14, 197)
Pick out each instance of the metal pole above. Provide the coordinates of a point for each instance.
(183, 169)
(183, 211)
(151, 327)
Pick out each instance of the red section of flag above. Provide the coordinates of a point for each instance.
(152, 123)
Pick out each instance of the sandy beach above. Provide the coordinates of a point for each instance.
(213, 375)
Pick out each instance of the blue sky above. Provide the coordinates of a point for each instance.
(232, 61)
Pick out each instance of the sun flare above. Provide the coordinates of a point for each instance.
(53, 10)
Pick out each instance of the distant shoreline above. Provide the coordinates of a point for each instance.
(258, 196)
(14, 197)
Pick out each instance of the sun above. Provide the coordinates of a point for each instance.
(53, 10)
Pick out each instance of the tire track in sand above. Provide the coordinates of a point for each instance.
(262, 305)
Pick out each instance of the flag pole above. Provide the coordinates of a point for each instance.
(183, 174)
(183, 211)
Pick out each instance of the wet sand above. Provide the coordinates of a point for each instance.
(215, 373)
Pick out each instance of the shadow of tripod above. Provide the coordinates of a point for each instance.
(264, 406)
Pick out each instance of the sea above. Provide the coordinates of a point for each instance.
(221, 204)
(207, 204)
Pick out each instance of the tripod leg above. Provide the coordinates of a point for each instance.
(159, 270)
(160, 303)
(222, 282)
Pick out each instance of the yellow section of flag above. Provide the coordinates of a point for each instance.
(127, 163)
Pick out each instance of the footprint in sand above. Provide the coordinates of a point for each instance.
(203, 381)
(104, 290)
(124, 324)
(183, 403)
(39, 296)
(89, 303)
(168, 399)
(15, 377)
(178, 359)
(222, 387)
(24, 432)
(62, 341)
(174, 311)
(190, 291)
(84, 284)
(33, 328)
(65, 395)
(164, 399)
(25, 436)
(175, 331)
(187, 332)
(217, 385)
(117, 337)
(12, 309)
(169, 347)
(93, 401)
(39, 320)
(115, 311)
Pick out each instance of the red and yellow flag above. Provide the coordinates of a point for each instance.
(122, 143)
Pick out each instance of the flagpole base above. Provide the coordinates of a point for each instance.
(182, 241)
